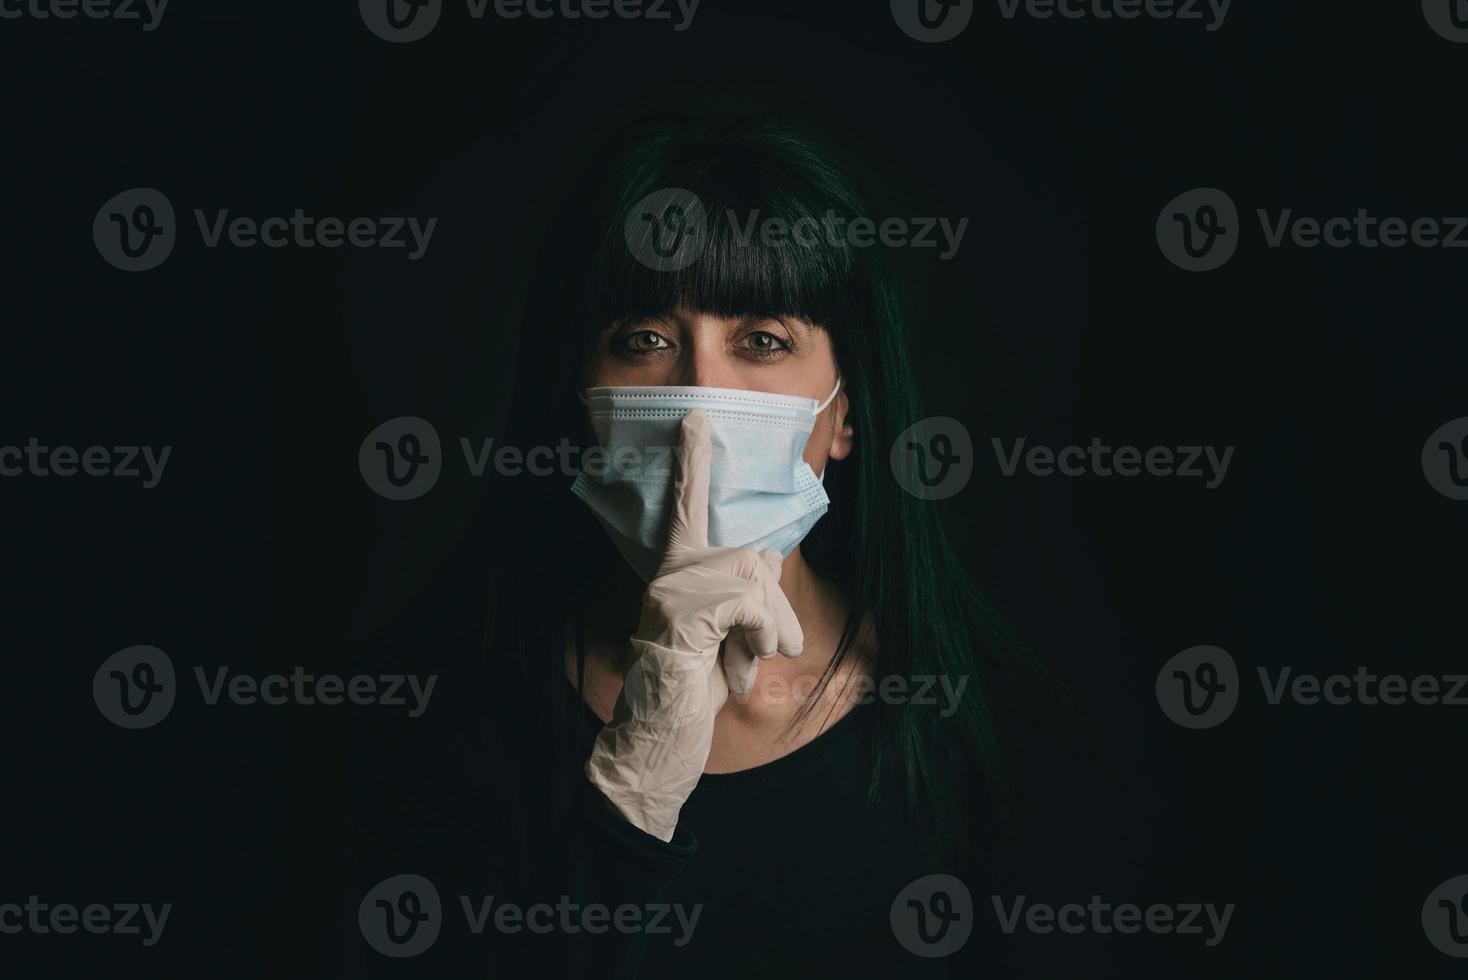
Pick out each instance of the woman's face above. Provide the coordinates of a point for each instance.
(687, 347)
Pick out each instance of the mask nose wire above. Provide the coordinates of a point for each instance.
(581, 394)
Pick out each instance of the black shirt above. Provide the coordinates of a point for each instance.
(794, 870)
(784, 870)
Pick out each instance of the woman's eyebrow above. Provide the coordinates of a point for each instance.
(623, 321)
(789, 323)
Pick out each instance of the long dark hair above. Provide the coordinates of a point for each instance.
(884, 547)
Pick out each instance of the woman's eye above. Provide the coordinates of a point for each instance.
(762, 342)
(643, 341)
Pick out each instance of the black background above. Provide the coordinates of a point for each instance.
(1059, 320)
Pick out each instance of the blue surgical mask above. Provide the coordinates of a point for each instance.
(762, 494)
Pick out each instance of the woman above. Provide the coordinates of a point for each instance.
(691, 694)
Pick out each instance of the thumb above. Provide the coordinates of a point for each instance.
(740, 664)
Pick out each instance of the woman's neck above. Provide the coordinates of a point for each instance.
(768, 722)
(788, 707)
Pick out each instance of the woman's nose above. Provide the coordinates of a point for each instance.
(708, 366)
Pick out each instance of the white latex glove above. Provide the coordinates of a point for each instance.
(647, 760)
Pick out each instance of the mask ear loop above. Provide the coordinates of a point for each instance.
(829, 398)
(823, 406)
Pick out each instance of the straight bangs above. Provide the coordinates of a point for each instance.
(729, 228)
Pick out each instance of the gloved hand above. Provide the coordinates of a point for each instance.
(647, 760)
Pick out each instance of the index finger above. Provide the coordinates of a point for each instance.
(689, 528)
